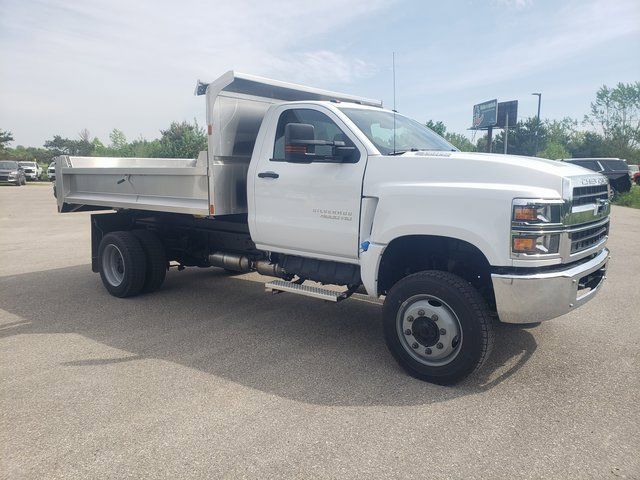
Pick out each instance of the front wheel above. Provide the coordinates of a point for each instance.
(437, 326)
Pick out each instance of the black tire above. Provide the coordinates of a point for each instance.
(462, 305)
(133, 264)
(156, 260)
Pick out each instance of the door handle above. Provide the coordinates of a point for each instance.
(268, 175)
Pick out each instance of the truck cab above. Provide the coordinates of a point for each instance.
(314, 187)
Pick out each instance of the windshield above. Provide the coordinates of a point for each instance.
(614, 165)
(9, 165)
(378, 126)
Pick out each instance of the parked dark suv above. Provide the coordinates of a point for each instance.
(10, 171)
(615, 169)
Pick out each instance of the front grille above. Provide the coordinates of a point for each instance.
(4, 178)
(587, 238)
(27, 170)
(591, 194)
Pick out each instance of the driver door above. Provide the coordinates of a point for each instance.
(310, 209)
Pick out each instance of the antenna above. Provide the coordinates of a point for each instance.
(393, 67)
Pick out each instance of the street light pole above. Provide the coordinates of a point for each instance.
(539, 95)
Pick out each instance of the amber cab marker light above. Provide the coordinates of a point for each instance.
(525, 213)
(524, 245)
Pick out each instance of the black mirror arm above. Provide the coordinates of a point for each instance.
(316, 142)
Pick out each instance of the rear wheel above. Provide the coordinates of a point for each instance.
(156, 260)
(122, 264)
(437, 326)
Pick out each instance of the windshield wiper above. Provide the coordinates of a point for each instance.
(413, 149)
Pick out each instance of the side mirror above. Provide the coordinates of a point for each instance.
(300, 143)
(298, 137)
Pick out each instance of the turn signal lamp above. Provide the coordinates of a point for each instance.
(525, 214)
(524, 245)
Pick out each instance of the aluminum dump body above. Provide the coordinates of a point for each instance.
(166, 184)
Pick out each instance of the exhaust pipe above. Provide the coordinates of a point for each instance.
(230, 261)
(242, 263)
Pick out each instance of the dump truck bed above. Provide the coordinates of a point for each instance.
(163, 184)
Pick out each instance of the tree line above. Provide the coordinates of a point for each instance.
(180, 140)
(611, 129)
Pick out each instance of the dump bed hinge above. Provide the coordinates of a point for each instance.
(278, 286)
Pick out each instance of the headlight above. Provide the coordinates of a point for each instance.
(536, 211)
(15, 172)
(536, 226)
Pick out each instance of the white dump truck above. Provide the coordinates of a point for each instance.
(330, 194)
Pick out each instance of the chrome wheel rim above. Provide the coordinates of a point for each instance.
(113, 265)
(429, 330)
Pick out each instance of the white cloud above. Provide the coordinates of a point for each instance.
(132, 65)
(514, 4)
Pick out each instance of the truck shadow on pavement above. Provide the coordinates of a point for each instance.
(294, 347)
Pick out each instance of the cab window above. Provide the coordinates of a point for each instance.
(324, 129)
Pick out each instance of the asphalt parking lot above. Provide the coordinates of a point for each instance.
(211, 377)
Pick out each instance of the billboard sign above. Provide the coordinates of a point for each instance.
(510, 109)
(485, 114)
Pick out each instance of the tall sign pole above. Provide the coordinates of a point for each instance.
(506, 134)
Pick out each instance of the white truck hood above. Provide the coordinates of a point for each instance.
(523, 175)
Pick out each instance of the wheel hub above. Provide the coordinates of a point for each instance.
(113, 265)
(425, 331)
(429, 330)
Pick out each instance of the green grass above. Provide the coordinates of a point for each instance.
(629, 199)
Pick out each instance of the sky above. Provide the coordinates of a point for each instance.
(66, 65)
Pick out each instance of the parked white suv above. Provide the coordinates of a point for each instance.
(32, 170)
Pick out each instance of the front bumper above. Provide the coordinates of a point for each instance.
(530, 298)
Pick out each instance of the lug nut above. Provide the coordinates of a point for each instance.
(407, 331)
(439, 346)
(409, 318)
(415, 345)
(428, 351)
(421, 313)
(434, 317)
(443, 331)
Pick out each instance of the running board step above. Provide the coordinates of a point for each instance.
(278, 286)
